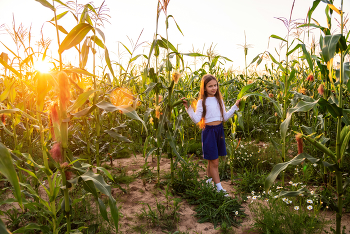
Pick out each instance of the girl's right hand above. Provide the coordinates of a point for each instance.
(237, 102)
(184, 102)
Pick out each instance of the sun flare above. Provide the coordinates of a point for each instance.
(42, 66)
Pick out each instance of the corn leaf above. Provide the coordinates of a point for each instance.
(84, 112)
(106, 172)
(81, 100)
(128, 111)
(84, 53)
(59, 28)
(6, 92)
(334, 8)
(167, 23)
(294, 49)
(96, 182)
(278, 63)
(3, 228)
(78, 70)
(103, 209)
(33, 226)
(302, 106)
(108, 61)
(46, 4)
(60, 2)
(314, 5)
(332, 44)
(295, 161)
(59, 16)
(101, 33)
(293, 193)
(98, 41)
(8, 170)
(333, 109)
(277, 37)
(117, 136)
(75, 36)
(4, 63)
(244, 90)
(346, 73)
(345, 144)
(275, 104)
(308, 57)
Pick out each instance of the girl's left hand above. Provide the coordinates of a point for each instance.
(237, 102)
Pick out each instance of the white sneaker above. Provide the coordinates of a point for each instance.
(225, 192)
(210, 183)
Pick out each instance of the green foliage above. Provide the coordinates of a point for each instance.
(249, 181)
(214, 207)
(211, 206)
(276, 216)
(120, 176)
(195, 148)
(146, 174)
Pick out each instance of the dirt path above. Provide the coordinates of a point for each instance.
(144, 192)
(141, 192)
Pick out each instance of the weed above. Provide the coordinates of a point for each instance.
(139, 229)
(225, 229)
(211, 206)
(122, 177)
(250, 181)
(146, 174)
(276, 216)
(166, 214)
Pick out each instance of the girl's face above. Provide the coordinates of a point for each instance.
(211, 88)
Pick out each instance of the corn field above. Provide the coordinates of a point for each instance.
(66, 131)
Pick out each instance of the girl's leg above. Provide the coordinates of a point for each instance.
(213, 167)
(208, 169)
(208, 174)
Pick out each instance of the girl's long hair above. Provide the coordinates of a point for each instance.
(203, 95)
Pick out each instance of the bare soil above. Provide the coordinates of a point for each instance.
(139, 192)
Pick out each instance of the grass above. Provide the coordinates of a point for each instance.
(250, 181)
(121, 176)
(277, 217)
(210, 205)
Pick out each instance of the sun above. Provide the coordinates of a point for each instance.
(42, 66)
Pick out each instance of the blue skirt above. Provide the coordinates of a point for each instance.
(213, 142)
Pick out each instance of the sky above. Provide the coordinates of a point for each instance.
(221, 23)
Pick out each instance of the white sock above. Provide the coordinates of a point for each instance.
(219, 186)
(209, 180)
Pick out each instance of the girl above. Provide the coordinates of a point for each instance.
(210, 113)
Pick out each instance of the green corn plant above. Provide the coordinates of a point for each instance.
(330, 46)
(286, 74)
(73, 39)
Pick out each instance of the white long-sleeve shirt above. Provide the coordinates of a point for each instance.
(213, 111)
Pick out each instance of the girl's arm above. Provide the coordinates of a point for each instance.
(233, 109)
(195, 116)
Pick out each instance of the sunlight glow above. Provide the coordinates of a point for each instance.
(124, 99)
(42, 66)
